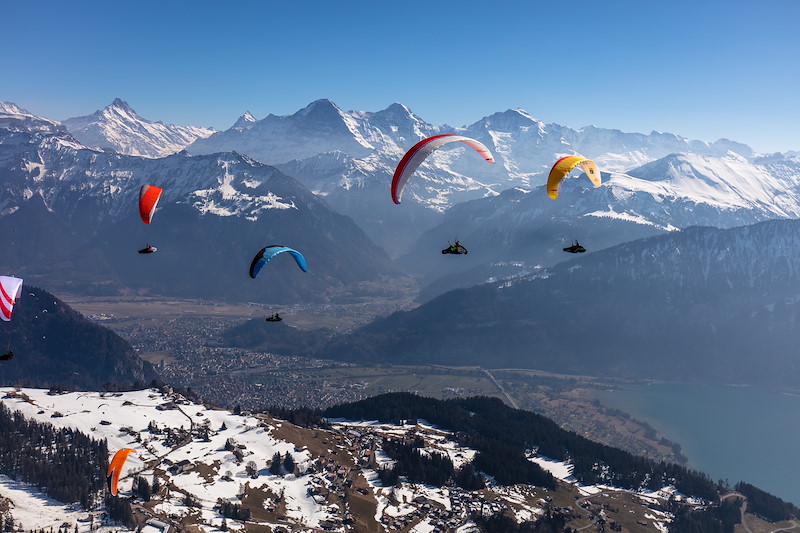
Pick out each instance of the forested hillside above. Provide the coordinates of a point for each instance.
(54, 345)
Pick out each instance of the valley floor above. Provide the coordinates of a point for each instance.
(183, 339)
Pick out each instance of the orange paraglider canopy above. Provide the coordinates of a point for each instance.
(115, 468)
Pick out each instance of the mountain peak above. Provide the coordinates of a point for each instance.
(521, 112)
(118, 127)
(397, 107)
(12, 109)
(322, 107)
(397, 112)
(245, 120)
(122, 105)
(509, 119)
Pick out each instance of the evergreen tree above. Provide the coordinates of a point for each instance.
(143, 489)
(288, 463)
(66, 464)
(275, 467)
(766, 505)
(119, 509)
(503, 435)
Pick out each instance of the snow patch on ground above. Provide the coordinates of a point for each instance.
(32, 509)
(126, 417)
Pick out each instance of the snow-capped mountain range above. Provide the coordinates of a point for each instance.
(652, 183)
(119, 128)
(74, 216)
(523, 146)
(349, 157)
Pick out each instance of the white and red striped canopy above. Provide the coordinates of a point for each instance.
(414, 158)
(10, 290)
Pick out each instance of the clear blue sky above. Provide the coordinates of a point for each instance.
(701, 69)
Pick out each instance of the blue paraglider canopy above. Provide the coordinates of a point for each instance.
(266, 254)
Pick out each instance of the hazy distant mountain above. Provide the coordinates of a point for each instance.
(57, 346)
(701, 304)
(70, 214)
(118, 127)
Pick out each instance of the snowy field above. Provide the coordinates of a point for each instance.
(213, 473)
(184, 445)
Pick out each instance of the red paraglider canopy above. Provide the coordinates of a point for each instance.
(148, 199)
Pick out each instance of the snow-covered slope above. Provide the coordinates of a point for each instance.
(203, 457)
(118, 127)
(14, 118)
(674, 192)
(169, 436)
(349, 158)
(528, 147)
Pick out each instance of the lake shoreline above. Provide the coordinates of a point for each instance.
(730, 432)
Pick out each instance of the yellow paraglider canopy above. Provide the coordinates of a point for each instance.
(564, 165)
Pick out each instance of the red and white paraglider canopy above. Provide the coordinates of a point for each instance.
(414, 158)
(10, 290)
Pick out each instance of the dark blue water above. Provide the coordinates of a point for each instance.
(732, 433)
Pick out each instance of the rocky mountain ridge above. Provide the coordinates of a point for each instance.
(118, 127)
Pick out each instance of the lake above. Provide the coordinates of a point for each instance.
(730, 433)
